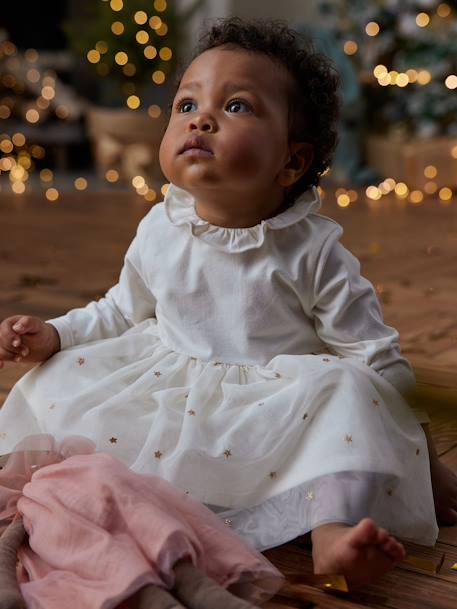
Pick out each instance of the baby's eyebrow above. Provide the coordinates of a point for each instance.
(231, 86)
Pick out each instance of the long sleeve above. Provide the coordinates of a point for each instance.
(348, 317)
(127, 303)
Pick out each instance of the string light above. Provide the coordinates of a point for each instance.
(150, 52)
(451, 81)
(160, 5)
(422, 19)
(142, 37)
(18, 139)
(112, 175)
(117, 27)
(350, 47)
(140, 17)
(165, 53)
(116, 5)
(155, 22)
(133, 102)
(80, 183)
(454, 152)
(93, 56)
(158, 77)
(32, 115)
(154, 111)
(445, 194)
(443, 10)
(372, 28)
(164, 189)
(121, 58)
(52, 194)
(138, 182)
(416, 197)
(430, 171)
(373, 192)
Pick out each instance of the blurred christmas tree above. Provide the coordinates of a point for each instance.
(405, 52)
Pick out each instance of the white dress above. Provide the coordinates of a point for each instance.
(249, 367)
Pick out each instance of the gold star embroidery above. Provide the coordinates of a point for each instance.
(191, 412)
(81, 361)
(389, 491)
(418, 451)
(186, 396)
(157, 454)
(113, 440)
(348, 438)
(273, 475)
(228, 522)
(309, 496)
(227, 453)
(157, 373)
(2, 435)
(217, 364)
(186, 492)
(325, 359)
(260, 403)
(376, 402)
(277, 375)
(52, 406)
(305, 416)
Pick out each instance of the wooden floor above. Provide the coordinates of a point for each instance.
(57, 256)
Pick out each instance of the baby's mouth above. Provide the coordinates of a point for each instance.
(196, 146)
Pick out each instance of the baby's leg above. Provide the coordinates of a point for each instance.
(361, 553)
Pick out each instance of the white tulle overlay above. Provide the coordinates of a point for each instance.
(250, 368)
(275, 449)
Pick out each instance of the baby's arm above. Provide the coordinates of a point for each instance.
(348, 318)
(28, 339)
(127, 303)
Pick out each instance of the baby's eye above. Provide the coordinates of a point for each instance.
(186, 105)
(238, 106)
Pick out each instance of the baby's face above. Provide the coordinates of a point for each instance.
(229, 124)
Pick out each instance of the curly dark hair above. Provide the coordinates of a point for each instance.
(314, 103)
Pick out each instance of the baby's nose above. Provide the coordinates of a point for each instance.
(203, 122)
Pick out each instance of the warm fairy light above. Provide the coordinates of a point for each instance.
(380, 71)
(142, 190)
(93, 56)
(422, 19)
(160, 5)
(451, 81)
(353, 195)
(48, 93)
(42, 103)
(31, 55)
(430, 188)
(390, 182)
(412, 75)
(24, 161)
(62, 112)
(158, 77)
(5, 112)
(46, 175)
(49, 81)
(18, 139)
(401, 190)
(343, 200)
(129, 69)
(445, 194)
(33, 75)
(38, 152)
(155, 22)
(112, 175)
(402, 80)
(133, 102)
(52, 194)
(164, 189)
(373, 193)
(416, 196)
(393, 76)
(350, 47)
(18, 187)
(18, 174)
(424, 77)
(138, 182)
(117, 28)
(430, 171)
(80, 183)
(165, 53)
(32, 115)
(7, 163)
(142, 37)
(150, 52)
(101, 47)
(6, 146)
(387, 186)
(443, 10)
(116, 5)
(121, 58)
(9, 48)
(140, 17)
(372, 28)
(151, 195)
(162, 30)
(454, 152)
(154, 111)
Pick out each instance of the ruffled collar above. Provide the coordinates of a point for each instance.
(180, 210)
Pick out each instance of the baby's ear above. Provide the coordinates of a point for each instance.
(300, 158)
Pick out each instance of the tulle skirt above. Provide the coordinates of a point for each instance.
(275, 450)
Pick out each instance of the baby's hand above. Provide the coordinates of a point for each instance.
(27, 339)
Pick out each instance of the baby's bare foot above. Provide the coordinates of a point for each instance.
(361, 553)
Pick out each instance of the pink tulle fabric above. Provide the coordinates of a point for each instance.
(97, 532)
